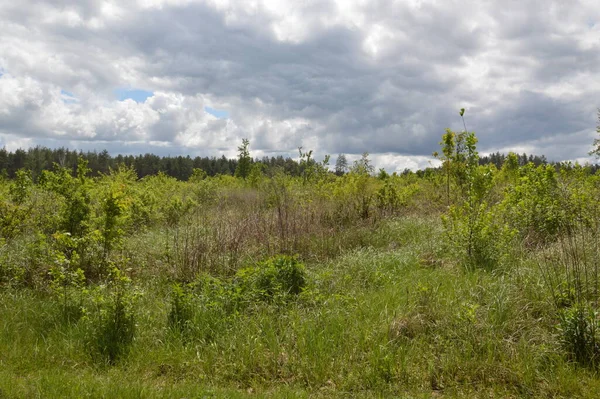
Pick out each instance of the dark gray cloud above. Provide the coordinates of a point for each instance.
(338, 76)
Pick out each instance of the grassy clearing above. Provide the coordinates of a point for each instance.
(376, 321)
(468, 281)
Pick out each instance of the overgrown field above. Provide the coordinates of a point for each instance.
(466, 281)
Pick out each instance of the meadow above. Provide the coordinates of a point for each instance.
(468, 280)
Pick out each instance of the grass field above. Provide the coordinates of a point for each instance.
(377, 321)
(465, 281)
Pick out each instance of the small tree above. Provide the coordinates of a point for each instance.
(310, 169)
(306, 164)
(244, 160)
(363, 166)
(76, 211)
(341, 165)
(448, 145)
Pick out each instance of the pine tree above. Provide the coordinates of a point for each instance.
(341, 165)
(244, 160)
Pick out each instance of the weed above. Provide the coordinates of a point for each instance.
(579, 333)
(182, 308)
(281, 277)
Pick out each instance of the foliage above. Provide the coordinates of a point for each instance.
(281, 277)
(580, 335)
(395, 195)
(68, 285)
(111, 320)
(256, 175)
(182, 311)
(341, 165)
(311, 169)
(473, 233)
(244, 160)
(13, 213)
(533, 204)
(198, 175)
(75, 193)
(382, 297)
(363, 166)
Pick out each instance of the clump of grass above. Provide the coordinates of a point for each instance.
(580, 334)
(409, 326)
(571, 273)
(182, 309)
(281, 278)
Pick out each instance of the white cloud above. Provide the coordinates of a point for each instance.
(336, 76)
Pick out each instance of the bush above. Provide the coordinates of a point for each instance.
(111, 328)
(571, 273)
(476, 237)
(278, 277)
(67, 284)
(579, 334)
(533, 205)
(182, 310)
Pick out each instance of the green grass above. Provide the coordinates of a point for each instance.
(389, 316)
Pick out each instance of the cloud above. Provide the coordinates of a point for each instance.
(182, 76)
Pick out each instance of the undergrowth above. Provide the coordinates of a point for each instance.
(465, 281)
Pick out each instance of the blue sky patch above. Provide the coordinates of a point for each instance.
(219, 113)
(137, 95)
(68, 97)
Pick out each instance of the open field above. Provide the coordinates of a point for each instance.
(467, 281)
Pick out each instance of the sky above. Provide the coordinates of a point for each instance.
(182, 77)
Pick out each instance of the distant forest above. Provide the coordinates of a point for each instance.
(41, 158)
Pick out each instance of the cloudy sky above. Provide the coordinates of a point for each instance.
(337, 76)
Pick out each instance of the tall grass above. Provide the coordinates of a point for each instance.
(571, 272)
(335, 288)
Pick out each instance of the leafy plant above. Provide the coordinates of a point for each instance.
(14, 213)
(579, 334)
(534, 205)
(182, 308)
(244, 160)
(68, 285)
(75, 192)
(112, 321)
(473, 233)
(572, 275)
(312, 171)
(280, 277)
(113, 208)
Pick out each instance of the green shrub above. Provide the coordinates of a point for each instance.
(15, 209)
(68, 285)
(75, 191)
(534, 205)
(24, 262)
(182, 308)
(279, 277)
(477, 238)
(579, 328)
(474, 232)
(111, 325)
(571, 273)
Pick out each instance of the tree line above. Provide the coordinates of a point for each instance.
(39, 158)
